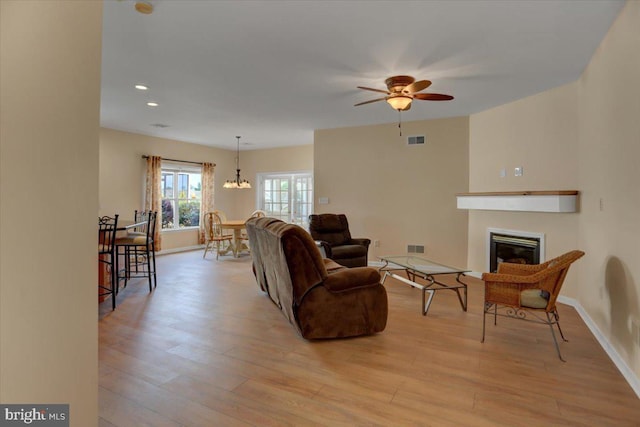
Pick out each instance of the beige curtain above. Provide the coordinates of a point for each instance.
(153, 195)
(207, 196)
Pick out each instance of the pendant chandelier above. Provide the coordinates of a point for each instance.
(237, 183)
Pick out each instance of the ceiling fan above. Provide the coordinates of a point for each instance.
(401, 90)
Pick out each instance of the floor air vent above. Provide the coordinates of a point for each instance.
(415, 140)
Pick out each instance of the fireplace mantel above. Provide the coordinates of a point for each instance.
(523, 201)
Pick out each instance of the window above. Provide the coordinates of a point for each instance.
(181, 196)
(287, 196)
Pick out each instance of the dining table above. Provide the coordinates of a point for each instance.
(236, 225)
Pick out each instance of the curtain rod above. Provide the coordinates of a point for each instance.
(180, 161)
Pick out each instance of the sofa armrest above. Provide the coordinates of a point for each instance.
(360, 241)
(352, 278)
(332, 266)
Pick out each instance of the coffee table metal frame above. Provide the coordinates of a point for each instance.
(426, 270)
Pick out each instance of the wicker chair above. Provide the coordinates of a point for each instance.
(517, 290)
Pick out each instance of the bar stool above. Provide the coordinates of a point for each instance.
(106, 256)
(138, 249)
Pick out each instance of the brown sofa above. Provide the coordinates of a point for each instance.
(320, 298)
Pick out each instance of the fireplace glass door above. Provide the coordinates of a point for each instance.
(514, 249)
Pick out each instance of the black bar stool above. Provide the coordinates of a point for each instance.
(138, 249)
(106, 255)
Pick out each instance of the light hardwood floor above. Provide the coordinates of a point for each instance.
(208, 348)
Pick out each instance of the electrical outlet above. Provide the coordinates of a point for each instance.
(518, 171)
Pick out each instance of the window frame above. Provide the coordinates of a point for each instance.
(291, 177)
(176, 169)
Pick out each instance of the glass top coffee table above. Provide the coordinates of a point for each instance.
(426, 270)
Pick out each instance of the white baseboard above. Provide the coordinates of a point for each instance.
(624, 369)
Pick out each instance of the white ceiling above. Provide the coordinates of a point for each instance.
(273, 71)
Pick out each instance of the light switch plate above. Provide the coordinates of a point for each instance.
(323, 200)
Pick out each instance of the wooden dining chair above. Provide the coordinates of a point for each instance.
(214, 236)
(221, 215)
(245, 237)
(106, 256)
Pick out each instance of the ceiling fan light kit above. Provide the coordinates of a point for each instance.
(399, 102)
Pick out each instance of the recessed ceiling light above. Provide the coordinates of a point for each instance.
(141, 87)
(144, 7)
(152, 104)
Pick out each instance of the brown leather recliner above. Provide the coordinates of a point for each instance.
(341, 302)
(332, 232)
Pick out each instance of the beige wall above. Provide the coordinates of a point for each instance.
(609, 163)
(50, 106)
(122, 171)
(288, 159)
(583, 136)
(539, 134)
(396, 193)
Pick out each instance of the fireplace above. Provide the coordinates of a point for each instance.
(513, 246)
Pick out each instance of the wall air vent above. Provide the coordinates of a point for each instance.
(416, 140)
(415, 249)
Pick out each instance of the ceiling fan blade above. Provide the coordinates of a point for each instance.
(417, 86)
(374, 90)
(369, 102)
(432, 97)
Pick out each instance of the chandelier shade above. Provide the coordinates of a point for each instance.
(237, 182)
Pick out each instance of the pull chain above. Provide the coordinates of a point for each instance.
(400, 121)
